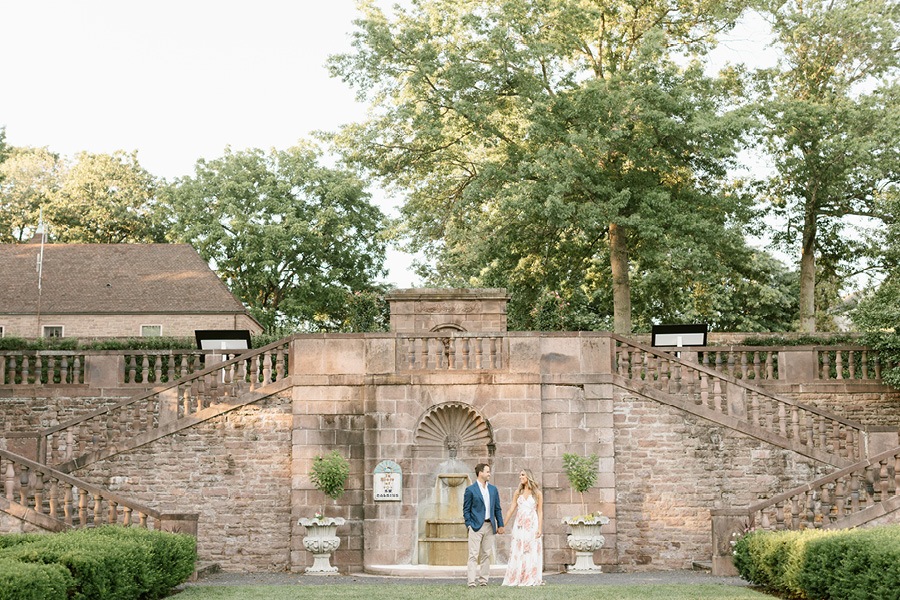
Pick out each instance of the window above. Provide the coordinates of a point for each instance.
(1, 331)
(151, 330)
(53, 331)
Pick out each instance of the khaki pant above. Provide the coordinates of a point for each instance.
(481, 544)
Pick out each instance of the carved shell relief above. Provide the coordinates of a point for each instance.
(453, 425)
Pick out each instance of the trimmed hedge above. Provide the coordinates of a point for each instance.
(854, 564)
(107, 563)
(27, 581)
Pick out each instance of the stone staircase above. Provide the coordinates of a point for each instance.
(44, 493)
(167, 409)
(865, 485)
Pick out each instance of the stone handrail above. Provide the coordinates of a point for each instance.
(148, 410)
(811, 428)
(453, 351)
(61, 501)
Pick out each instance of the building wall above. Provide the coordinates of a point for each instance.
(102, 326)
(661, 469)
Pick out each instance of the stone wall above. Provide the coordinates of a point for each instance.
(661, 469)
(234, 470)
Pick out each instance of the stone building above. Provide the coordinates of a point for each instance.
(693, 444)
(113, 290)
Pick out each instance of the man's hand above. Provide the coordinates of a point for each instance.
(500, 530)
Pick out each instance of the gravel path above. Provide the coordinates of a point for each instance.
(651, 578)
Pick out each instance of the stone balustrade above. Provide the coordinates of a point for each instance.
(185, 397)
(60, 502)
(807, 426)
(452, 351)
(42, 368)
(839, 500)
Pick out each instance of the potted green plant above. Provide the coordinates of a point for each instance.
(329, 473)
(585, 537)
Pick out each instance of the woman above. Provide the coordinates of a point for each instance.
(526, 553)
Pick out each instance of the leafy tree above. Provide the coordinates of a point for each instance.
(105, 199)
(832, 115)
(290, 238)
(29, 180)
(549, 145)
(4, 147)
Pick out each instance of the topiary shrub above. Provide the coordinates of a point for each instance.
(582, 474)
(329, 474)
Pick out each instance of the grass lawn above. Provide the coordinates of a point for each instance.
(445, 592)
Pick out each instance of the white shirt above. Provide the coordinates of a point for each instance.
(487, 500)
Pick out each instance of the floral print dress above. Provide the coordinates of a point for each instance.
(526, 553)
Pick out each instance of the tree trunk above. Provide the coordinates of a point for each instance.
(808, 274)
(618, 251)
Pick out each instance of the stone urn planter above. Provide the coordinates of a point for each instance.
(321, 540)
(585, 538)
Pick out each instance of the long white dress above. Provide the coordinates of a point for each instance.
(526, 552)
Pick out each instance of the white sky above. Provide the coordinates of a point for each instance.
(179, 80)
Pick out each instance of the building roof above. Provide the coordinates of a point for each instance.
(111, 279)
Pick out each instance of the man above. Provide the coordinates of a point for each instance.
(484, 517)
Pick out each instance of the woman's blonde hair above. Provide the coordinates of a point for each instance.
(530, 482)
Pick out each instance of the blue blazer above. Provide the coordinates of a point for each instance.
(473, 508)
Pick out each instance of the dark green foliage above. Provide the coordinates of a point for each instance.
(28, 581)
(329, 474)
(132, 343)
(888, 347)
(108, 563)
(849, 564)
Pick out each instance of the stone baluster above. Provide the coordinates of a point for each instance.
(675, 386)
(113, 512)
(864, 364)
(450, 348)
(267, 368)
(67, 504)
(126, 516)
(68, 452)
(157, 370)
(26, 371)
(98, 509)
(885, 481)
(718, 363)
(479, 352)
(465, 353)
(851, 363)
(425, 358)
(54, 498)
(754, 416)
(782, 420)
(757, 366)
(24, 476)
(838, 364)
(39, 491)
(877, 361)
(779, 516)
(744, 367)
(795, 513)
(227, 387)
(704, 389)
(130, 368)
(82, 507)
(826, 364)
(839, 499)
(823, 432)
(9, 480)
(770, 368)
(717, 395)
(3, 360)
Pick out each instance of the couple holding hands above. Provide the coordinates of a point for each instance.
(484, 517)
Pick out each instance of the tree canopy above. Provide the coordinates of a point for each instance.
(831, 115)
(558, 146)
(291, 238)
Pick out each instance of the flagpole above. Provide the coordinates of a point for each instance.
(40, 271)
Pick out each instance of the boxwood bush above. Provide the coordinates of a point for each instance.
(28, 581)
(858, 563)
(108, 563)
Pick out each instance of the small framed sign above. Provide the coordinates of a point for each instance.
(388, 482)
